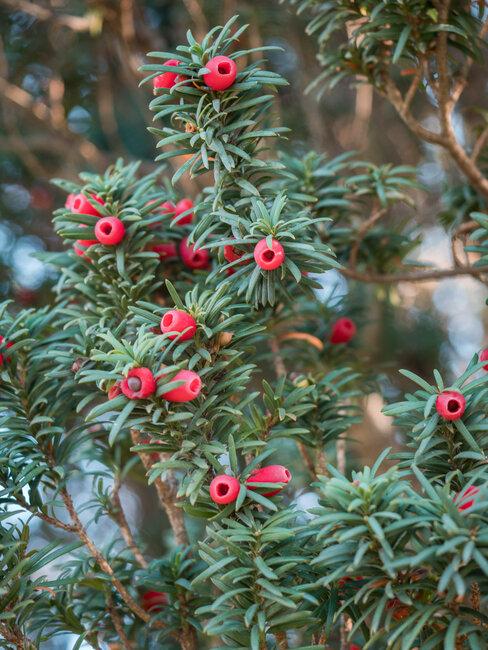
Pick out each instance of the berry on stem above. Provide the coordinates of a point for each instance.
(166, 79)
(177, 321)
(270, 474)
(183, 206)
(188, 391)
(483, 356)
(193, 258)
(223, 72)
(461, 498)
(139, 383)
(450, 405)
(343, 330)
(153, 601)
(224, 489)
(109, 231)
(81, 205)
(165, 251)
(268, 258)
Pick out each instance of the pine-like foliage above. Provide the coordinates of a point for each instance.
(392, 557)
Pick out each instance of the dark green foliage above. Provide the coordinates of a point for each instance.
(399, 552)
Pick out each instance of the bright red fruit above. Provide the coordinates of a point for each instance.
(343, 330)
(166, 79)
(165, 251)
(82, 244)
(139, 383)
(153, 601)
(69, 201)
(81, 205)
(450, 405)
(7, 345)
(223, 72)
(270, 474)
(177, 320)
(109, 231)
(231, 254)
(269, 258)
(354, 646)
(193, 258)
(114, 390)
(461, 498)
(224, 489)
(188, 391)
(183, 206)
(483, 356)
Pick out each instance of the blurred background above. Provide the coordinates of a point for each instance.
(70, 101)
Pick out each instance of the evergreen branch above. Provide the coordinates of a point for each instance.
(103, 563)
(118, 515)
(166, 491)
(117, 621)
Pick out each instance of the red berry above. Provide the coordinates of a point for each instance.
(354, 646)
(188, 391)
(223, 72)
(483, 356)
(109, 231)
(7, 345)
(450, 405)
(114, 390)
(152, 601)
(138, 384)
(343, 330)
(471, 491)
(269, 258)
(231, 254)
(193, 258)
(81, 246)
(69, 201)
(270, 474)
(177, 320)
(165, 251)
(166, 79)
(168, 207)
(183, 206)
(81, 205)
(224, 489)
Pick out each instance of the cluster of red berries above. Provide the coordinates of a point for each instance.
(222, 72)
(141, 383)
(193, 258)
(109, 231)
(225, 489)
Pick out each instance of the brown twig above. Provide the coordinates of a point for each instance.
(281, 640)
(118, 516)
(103, 563)
(166, 491)
(362, 232)
(414, 276)
(117, 621)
